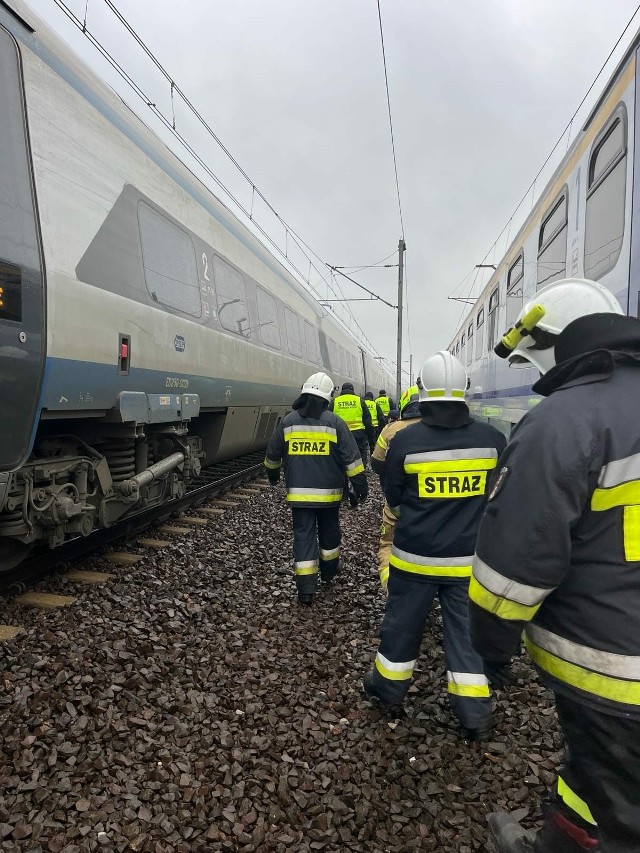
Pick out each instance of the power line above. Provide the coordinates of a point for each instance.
(169, 124)
(393, 145)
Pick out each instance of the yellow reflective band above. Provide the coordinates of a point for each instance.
(574, 802)
(310, 435)
(316, 499)
(631, 528)
(311, 570)
(501, 607)
(438, 392)
(384, 575)
(439, 571)
(474, 690)
(268, 463)
(393, 674)
(445, 465)
(615, 689)
(623, 495)
(351, 472)
(382, 442)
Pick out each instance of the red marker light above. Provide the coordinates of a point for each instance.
(124, 350)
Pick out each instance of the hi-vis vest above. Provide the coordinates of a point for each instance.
(384, 404)
(373, 411)
(349, 408)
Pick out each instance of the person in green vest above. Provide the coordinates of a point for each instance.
(377, 416)
(354, 412)
(385, 402)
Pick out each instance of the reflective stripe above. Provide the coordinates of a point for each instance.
(501, 607)
(459, 567)
(505, 587)
(384, 575)
(614, 689)
(392, 670)
(354, 468)
(627, 493)
(631, 530)
(329, 555)
(472, 684)
(314, 495)
(311, 429)
(574, 802)
(306, 567)
(382, 442)
(608, 663)
(445, 455)
(440, 392)
(271, 463)
(310, 433)
(619, 471)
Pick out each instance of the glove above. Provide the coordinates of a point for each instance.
(499, 674)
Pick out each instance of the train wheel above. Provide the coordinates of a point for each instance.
(12, 553)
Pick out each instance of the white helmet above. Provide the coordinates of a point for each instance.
(532, 339)
(320, 385)
(443, 379)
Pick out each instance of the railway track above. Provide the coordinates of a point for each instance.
(212, 481)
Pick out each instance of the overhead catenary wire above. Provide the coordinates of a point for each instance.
(568, 128)
(393, 144)
(169, 124)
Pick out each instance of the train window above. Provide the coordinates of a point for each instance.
(492, 318)
(552, 243)
(10, 292)
(470, 343)
(292, 325)
(515, 283)
(169, 260)
(268, 319)
(479, 332)
(311, 342)
(458, 348)
(231, 294)
(604, 226)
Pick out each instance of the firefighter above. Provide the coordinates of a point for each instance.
(558, 554)
(410, 415)
(377, 417)
(435, 480)
(385, 403)
(317, 450)
(354, 412)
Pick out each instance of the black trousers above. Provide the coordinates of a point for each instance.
(408, 606)
(316, 546)
(602, 772)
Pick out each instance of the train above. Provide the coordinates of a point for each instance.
(580, 226)
(145, 332)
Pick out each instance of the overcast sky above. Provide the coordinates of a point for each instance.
(480, 91)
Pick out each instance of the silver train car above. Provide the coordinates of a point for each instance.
(580, 226)
(144, 331)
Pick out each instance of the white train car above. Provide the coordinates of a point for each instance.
(580, 226)
(142, 326)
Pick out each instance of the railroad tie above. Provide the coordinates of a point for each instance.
(154, 543)
(8, 632)
(225, 503)
(192, 519)
(43, 600)
(173, 529)
(245, 490)
(81, 576)
(211, 510)
(119, 558)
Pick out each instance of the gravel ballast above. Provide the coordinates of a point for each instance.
(191, 704)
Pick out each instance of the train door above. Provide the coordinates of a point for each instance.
(21, 274)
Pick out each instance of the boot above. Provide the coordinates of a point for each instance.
(558, 835)
(305, 598)
(369, 689)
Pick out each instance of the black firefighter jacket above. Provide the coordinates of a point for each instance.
(316, 453)
(559, 547)
(435, 482)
